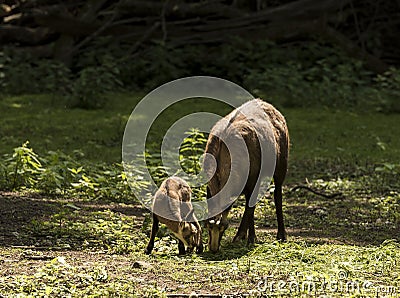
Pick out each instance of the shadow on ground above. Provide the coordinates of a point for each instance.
(18, 212)
(316, 221)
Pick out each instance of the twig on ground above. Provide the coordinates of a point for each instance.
(329, 196)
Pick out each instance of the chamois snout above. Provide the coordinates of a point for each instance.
(216, 228)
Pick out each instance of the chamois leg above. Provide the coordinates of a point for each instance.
(244, 225)
(252, 232)
(247, 223)
(199, 249)
(281, 235)
(181, 247)
(279, 177)
(154, 230)
(279, 214)
(250, 213)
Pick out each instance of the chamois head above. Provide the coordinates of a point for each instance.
(216, 227)
(189, 234)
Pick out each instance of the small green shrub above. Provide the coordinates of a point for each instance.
(190, 150)
(21, 169)
(20, 73)
(93, 82)
(388, 91)
(305, 74)
(190, 154)
(57, 174)
(60, 174)
(154, 67)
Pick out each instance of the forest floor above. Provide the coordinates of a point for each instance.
(348, 245)
(331, 246)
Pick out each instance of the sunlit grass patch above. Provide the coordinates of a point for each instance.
(294, 268)
(76, 228)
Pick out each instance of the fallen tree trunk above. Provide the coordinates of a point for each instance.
(285, 32)
(74, 24)
(174, 9)
(353, 50)
(295, 11)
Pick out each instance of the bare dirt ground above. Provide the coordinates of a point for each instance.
(16, 211)
(21, 255)
(24, 254)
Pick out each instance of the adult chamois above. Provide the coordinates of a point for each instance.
(263, 132)
(172, 207)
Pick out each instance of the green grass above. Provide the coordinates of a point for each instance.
(315, 133)
(93, 250)
(364, 136)
(49, 125)
(86, 246)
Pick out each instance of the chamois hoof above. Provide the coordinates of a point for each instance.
(147, 251)
(239, 237)
(251, 240)
(199, 249)
(281, 237)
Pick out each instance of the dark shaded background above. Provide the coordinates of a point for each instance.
(336, 53)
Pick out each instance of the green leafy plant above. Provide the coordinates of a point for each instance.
(389, 168)
(306, 74)
(20, 73)
(22, 168)
(59, 174)
(56, 177)
(190, 151)
(388, 91)
(158, 65)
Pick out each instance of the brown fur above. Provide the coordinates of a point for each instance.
(258, 119)
(168, 202)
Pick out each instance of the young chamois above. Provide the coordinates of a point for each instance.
(172, 203)
(261, 127)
